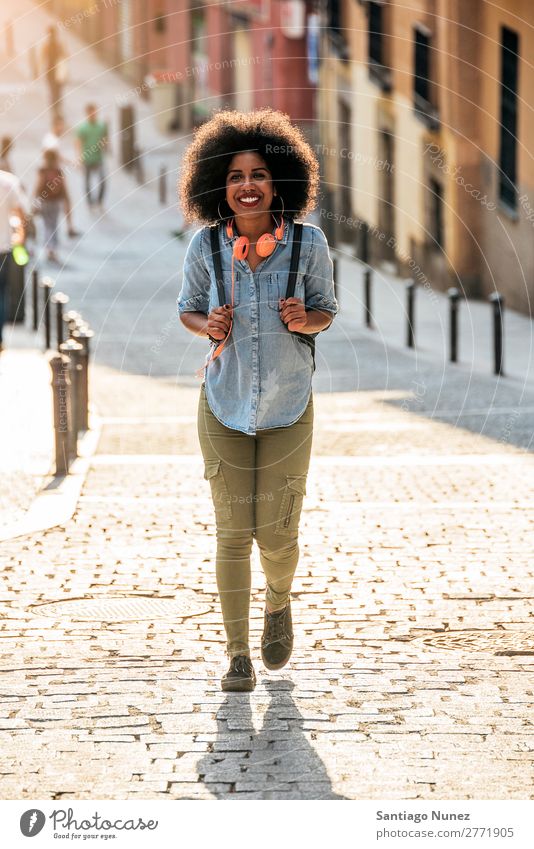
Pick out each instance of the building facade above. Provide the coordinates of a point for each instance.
(438, 163)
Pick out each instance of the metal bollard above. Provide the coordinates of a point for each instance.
(364, 243)
(454, 296)
(410, 310)
(498, 311)
(35, 298)
(59, 365)
(163, 185)
(47, 285)
(83, 336)
(367, 296)
(127, 135)
(72, 350)
(60, 300)
(139, 167)
(71, 319)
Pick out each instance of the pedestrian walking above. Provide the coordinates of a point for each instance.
(93, 143)
(54, 60)
(53, 140)
(12, 203)
(49, 197)
(248, 177)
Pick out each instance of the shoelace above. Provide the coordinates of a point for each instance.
(276, 628)
(242, 664)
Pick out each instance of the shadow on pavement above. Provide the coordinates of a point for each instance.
(273, 763)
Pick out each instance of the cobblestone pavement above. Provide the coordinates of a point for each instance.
(412, 670)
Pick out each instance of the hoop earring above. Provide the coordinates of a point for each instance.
(281, 201)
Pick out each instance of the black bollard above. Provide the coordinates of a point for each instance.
(72, 350)
(83, 336)
(35, 298)
(60, 393)
(410, 312)
(498, 312)
(60, 300)
(454, 296)
(363, 246)
(163, 185)
(70, 321)
(127, 135)
(47, 284)
(367, 296)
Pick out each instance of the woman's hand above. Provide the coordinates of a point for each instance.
(293, 313)
(219, 322)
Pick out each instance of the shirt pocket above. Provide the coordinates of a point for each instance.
(214, 292)
(277, 288)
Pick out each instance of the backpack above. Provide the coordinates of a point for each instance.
(292, 278)
(51, 184)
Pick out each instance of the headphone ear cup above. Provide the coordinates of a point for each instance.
(241, 246)
(265, 245)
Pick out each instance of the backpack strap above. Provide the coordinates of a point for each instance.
(216, 256)
(292, 280)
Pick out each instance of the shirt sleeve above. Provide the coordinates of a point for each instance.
(319, 277)
(195, 292)
(18, 197)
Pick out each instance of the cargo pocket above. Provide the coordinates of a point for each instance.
(291, 505)
(219, 492)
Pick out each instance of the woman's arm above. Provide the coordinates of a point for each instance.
(293, 312)
(216, 324)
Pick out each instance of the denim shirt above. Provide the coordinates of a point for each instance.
(263, 377)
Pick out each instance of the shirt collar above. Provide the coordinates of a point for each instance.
(283, 240)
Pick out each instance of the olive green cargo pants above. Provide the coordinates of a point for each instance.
(258, 485)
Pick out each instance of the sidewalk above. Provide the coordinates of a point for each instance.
(412, 669)
(26, 425)
(412, 602)
(431, 325)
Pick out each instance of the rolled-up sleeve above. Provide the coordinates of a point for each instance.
(319, 277)
(195, 291)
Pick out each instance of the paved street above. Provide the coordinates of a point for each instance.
(411, 676)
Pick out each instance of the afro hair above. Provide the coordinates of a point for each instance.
(290, 159)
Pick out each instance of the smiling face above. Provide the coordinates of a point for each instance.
(249, 186)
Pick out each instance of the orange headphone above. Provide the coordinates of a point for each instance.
(265, 246)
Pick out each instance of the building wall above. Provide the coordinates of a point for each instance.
(485, 246)
(507, 239)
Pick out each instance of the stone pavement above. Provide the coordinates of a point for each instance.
(412, 670)
(26, 424)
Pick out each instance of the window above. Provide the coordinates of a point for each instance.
(508, 125)
(375, 33)
(423, 84)
(334, 26)
(160, 23)
(421, 77)
(436, 214)
(378, 72)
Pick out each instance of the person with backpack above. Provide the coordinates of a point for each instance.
(49, 198)
(259, 285)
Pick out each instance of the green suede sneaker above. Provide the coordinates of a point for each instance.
(240, 677)
(277, 638)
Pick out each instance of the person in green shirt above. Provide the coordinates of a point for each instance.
(92, 138)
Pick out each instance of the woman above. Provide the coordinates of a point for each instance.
(251, 175)
(49, 198)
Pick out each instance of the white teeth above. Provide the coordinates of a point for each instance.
(249, 200)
